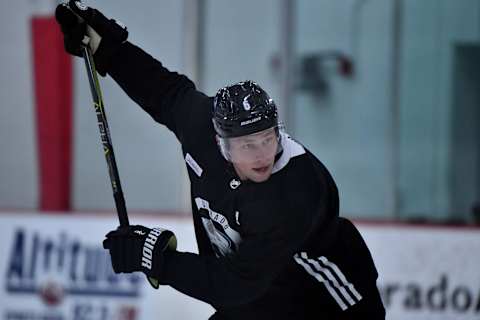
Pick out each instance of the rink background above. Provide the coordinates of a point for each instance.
(425, 272)
(418, 171)
(388, 138)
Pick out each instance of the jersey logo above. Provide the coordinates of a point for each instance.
(234, 184)
(223, 238)
(193, 164)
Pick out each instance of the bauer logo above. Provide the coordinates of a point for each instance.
(58, 266)
(243, 123)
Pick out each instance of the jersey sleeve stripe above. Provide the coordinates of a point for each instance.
(321, 278)
(342, 277)
(332, 278)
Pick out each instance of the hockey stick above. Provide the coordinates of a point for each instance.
(105, 136)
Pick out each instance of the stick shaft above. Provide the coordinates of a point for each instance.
(105, 137)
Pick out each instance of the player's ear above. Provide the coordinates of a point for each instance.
(217, 140)
(221, 148)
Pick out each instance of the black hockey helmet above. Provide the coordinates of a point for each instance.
(243, 108)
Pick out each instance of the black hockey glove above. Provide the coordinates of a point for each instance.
(138, 248)
(82, 25)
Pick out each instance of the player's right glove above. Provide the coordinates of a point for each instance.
(82, 25)
(138, 248)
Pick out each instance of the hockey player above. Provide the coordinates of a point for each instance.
(265, 210)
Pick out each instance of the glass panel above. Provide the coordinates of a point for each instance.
(345, 118)
(240, 40)
(399, 127)
(435, 81)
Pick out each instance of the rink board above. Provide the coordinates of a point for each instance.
(54, 267)
(78, 272)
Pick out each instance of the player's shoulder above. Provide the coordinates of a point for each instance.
(198, 134)
(292, 153)
(297, 167)
(197, 124)
(304, 180)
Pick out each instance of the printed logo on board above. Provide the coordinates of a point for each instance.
(61, 270)
(35, 260)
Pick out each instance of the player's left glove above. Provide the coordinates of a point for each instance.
(82, 25)
(138, 248)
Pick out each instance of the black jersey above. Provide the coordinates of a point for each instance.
(264, 247)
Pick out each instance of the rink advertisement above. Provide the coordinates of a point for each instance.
(54, 268)
(427, 272)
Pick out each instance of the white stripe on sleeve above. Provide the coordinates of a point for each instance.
(321, 278)
(341, 276)
(328, 275)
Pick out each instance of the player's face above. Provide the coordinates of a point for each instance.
(253, 155)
